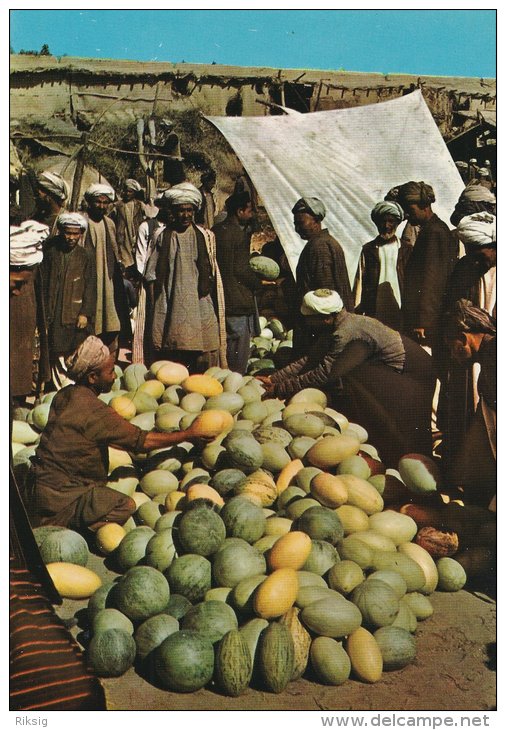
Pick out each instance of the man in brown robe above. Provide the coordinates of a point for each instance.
(70, 469)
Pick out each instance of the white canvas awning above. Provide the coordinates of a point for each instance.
(349, 158)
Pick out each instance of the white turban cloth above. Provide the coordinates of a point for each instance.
(26, 243)
(183, 194)
(321, 301)
(89, 356)
(54, 184)
(72, 219)
(387, 207)
(313, 206)
(100, 189)
(478, 229)
(132, 184)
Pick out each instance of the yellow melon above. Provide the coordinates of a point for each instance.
(109, 537)
(204, 491)
(73, 581)
(277, 594)
(203, 384)
(124, 406)
(212, 423)
(171, 373)
(290, 551)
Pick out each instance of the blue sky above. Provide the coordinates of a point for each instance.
(428, 42)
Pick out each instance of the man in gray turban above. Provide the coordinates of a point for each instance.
(70, 295)
(71, 466)
(184, 284)
(321, 265)
(380, 273)
(474, 199)
(52, 192)
(112, 315)
(128, 214)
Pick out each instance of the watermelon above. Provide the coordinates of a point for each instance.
(111, 653)
(64, 546)
(212, 619)
(190, 576)
(184, 661)
(142, 592)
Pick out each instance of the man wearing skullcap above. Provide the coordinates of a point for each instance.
(321, 265)
(360, 363)
(71, 464)
(111, 310)
(380, 274)
(51, 194)
(128, 214)
(188, 323)
(28, 353)
(70, 296)
(474, 199)
(473, 279)
(429, 267)
(239, 281)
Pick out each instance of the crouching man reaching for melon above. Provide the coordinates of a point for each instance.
(68, 481)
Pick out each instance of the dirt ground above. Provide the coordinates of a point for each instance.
(455, 669)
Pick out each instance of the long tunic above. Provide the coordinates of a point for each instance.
(100, 238)
(129, 217)
(376, 378)
(69, 291)
(72, 459)
(184, 316)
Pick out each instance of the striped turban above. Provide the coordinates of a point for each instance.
(313, 206)
(416, 193)
(89, 356)
(478, 229)
(54, 184)
(387, 207)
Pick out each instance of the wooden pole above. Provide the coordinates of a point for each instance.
(78, 173)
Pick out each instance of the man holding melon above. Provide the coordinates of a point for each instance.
(69, 475)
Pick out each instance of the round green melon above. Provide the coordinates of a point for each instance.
(160, 550)
(212, 619)
(226, 480)
(190, 576)
(178, 605)
(377, 602)
(275, 457)
(321, 523)
(242, 518)
(329, 660)
(304, 424)
(184, 661)
(331, 616)
(231, 402)
(397, 646)
(265, 267)
(451, 575)
(273, 434)
(159, 481)
(142, 592)
(111, 618)
(201, 531)
(322, 557)
(300, 446)
(102, 598)
(111, 653)
(64, 546)
(245, 453)
(152, 632)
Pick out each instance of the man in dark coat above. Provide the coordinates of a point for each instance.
(239, 281)
(429, 267)
(321, 265)
(70, 291)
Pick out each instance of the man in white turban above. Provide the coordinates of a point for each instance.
(321, 265)
(70, 295)
(111, 310)
(380, 273)
(188, 323)
(474, 279)
(52, 192)
(71, 465)
(28, 357)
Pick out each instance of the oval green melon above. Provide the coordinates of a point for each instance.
(40, 414)
(329, 660)
(265, 543)
(265, 267)
(231, 402)
(331, 616)
(160, 550)
(232, 383)
(167, 520)
(134, 375)
(168, 422)
(251, 632)
(275, 457)
(242, 518)
(184, 661)
(287, 496)
(241, 596)
(226, 480)
(306, 595)
(132, 548)
(233, 665)
(406, 619)
(276, 657)
(357, 551)
(23, 433)
(419, 473)
(190, 576)
(310, 395)
(300, 445)
(304, 424)
(123, 479)
(378, 603)
(391, 578)
(218, 594)
(249, 393)
(111, 653)
(419, 604)
(397, 646)
(172, 394)
(451, 575)
(245, 453)
(355, 465)
(193, 402)
(102, 598)
(152, 632)
(159, 481)
(345, 576)
(307, 578)
(143, 402)
(142, 592)
(212, 619)
(273, 434)
(144, 421)
(304, 476)
(403, 564)
(177, 606)
(148, 513)
(322, 557)
(255, 411)
(195, 475)
(236, 562)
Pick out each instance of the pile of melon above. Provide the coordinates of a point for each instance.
(262, 556)
(271, 348)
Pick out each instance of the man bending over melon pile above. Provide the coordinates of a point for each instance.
(68, 481)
